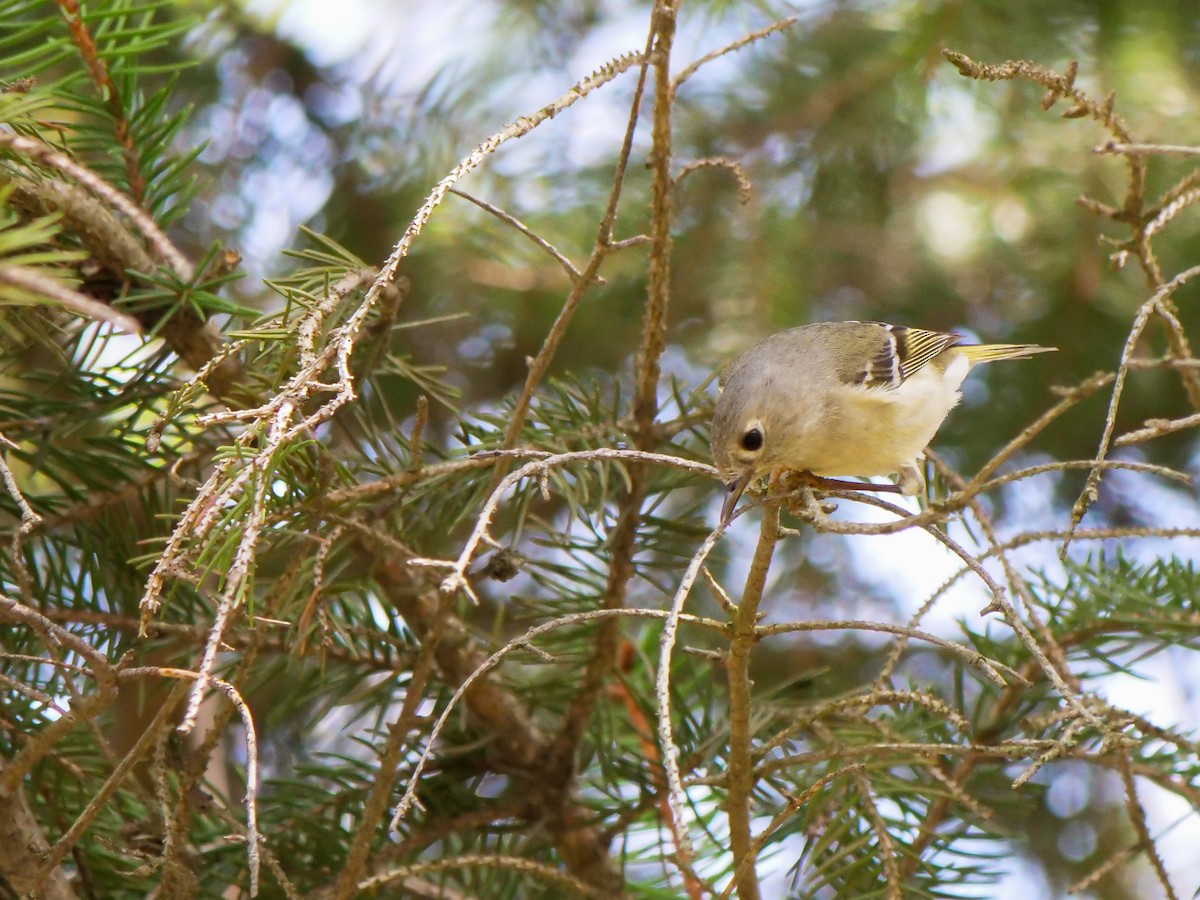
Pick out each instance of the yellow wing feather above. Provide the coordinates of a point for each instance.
(980, 353)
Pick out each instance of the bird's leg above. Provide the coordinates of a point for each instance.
(800, 485)
(821, 483)
(801, 503)
(910, 480)
(782, 482)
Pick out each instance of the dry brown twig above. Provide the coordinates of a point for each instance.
(1112, 148)
(1155, 305)
(102, 79)
(544, 872)
(554, 252)
(741, 736)
(1143, 227)
(1137, 815)
(745, 189)
(251, 797)
(48, 156)
(34, 282)
(668, 748)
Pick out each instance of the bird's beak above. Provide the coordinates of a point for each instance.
(736, 487)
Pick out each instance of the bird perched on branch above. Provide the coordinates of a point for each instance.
(842, 398)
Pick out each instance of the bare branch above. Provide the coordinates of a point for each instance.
(47, 155)
(33, 282)
(1114, 147)
(741, 735)
(568, 266)
(731, 47)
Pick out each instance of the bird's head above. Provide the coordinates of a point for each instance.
(756, 429)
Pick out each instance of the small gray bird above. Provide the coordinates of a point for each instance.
(842, 398)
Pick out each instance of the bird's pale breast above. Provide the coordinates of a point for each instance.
(877, 431)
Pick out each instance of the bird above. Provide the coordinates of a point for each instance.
(842, 398)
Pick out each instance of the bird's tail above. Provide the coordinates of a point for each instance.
(981, 353)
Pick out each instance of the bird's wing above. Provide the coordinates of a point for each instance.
(903, 351)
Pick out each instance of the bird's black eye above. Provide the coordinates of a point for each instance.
(752, 440)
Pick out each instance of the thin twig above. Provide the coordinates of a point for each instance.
(34, 282)
(741, 736)
(883, 838)
(109, 93)
(623, 539)
(29, 519)
(102, 670)
(1137, 816)
(1069, 464)
(794, 804)
(745, 190)
(1156, 428)
(994, 671)
(239, 704)
(520, 642)
(1151, 306)
(47, 155)
(457, 579)
(601, 247)
(1132, 149)
(733, 46)
(238, 575)
(476, 860)
(658, 273)
(395, 749)
(568, 266)
(662, 695)
(870, 700)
